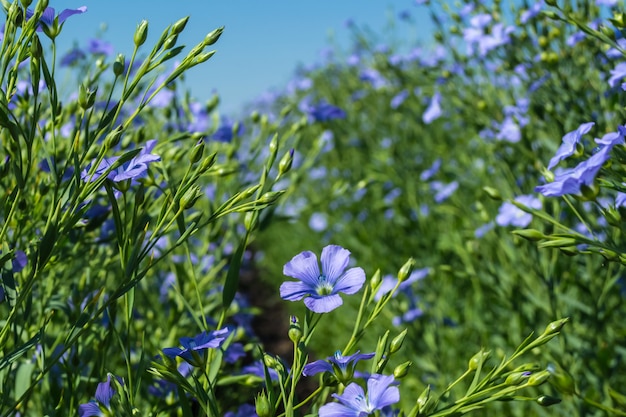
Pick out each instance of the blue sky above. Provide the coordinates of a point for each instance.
(264, 41)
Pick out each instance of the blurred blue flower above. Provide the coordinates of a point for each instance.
(321, 289)
(617, 74)
(399, 98)
(434, 109)
(389, 282)
(246, 410)
(570, 140)
(531, 12)
(193, 345)
(432, 170)
(355, 403)
(443, 191)
(104, 393)
(73, 56)
(373, 77)
(100, 47)
(511, 215)
(227, 131)
(620, 200)
(341, 366)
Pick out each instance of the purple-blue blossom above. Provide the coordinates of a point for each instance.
(511, 215)
(320, 290)
(192, 346)
(104, 393)
(136, 168)
(617, 74)
(341, 366)
(572, 180)
(51, 23)
(568, 146)
(354, 402)
(399, 98)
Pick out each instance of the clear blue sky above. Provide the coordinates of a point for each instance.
(263, 42)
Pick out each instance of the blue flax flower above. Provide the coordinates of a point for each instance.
(341, 366)
(355, 403)
(134, 169)
(570, 140)
(321, 289)
(434, 109)
(50, 22)
(572, 180)
(193, 345)
(104, 393)
(511, 215)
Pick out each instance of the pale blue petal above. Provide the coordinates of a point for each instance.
(89, 409)
(294, 291)
(334, 262)
(380, 393)
(351, 281)
(353, 397)
(317, 367)
(337, 410)
(304, 267)
(323, 304)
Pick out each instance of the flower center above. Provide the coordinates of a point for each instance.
(324, 287)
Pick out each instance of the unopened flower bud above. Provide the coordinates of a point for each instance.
(538, 378)
(422, 401)
(478, 358)
(402, 370)
(113, 138)
(375, 281)
(270, 361)
(530, 234)
(559, 242)
(119, 65)
(619, 20)
(271, 196)
(554, 327)
(190, 197)
(262, 405)
(563, 382)
(86, 97)
(35, 47)
(197, 151)
(179, 26)
(516, 378)
(285, 163)
(405, 270)
(397, 341)
(547, 401)
(208, 162)
(295, 332)
(141, 33)
(212, 37)
(170, 42)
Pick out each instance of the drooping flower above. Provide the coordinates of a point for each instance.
(104, 393)
(355, 403)
(321, 289)
(193, 345)
(570, 140)
(511, 215)
(341, 366)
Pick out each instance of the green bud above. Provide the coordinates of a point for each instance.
(375, 281)
(423, 401)
(612, 217)
(250, 220)
(273, 149)
(203, 57)
(26, 3)
(170, 42)
(86, 97)
(212, 37)
(515, 378)
(263, 406)
(477, 359)
(295, 332)
(402, 370)
(179, 26)
(619, 20)
(119, 65)
(547, 401)
(561, 242)
(270, 197)
(197, 151)
(190, 197)
(113, 138)
(208, 162)
(141, 33)
(405, 270)
(270, 361)
(530, 234)
(397, 341)
(255, 116)
(36, 51)
(554, 327)
(538, 378)
(285, 163)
